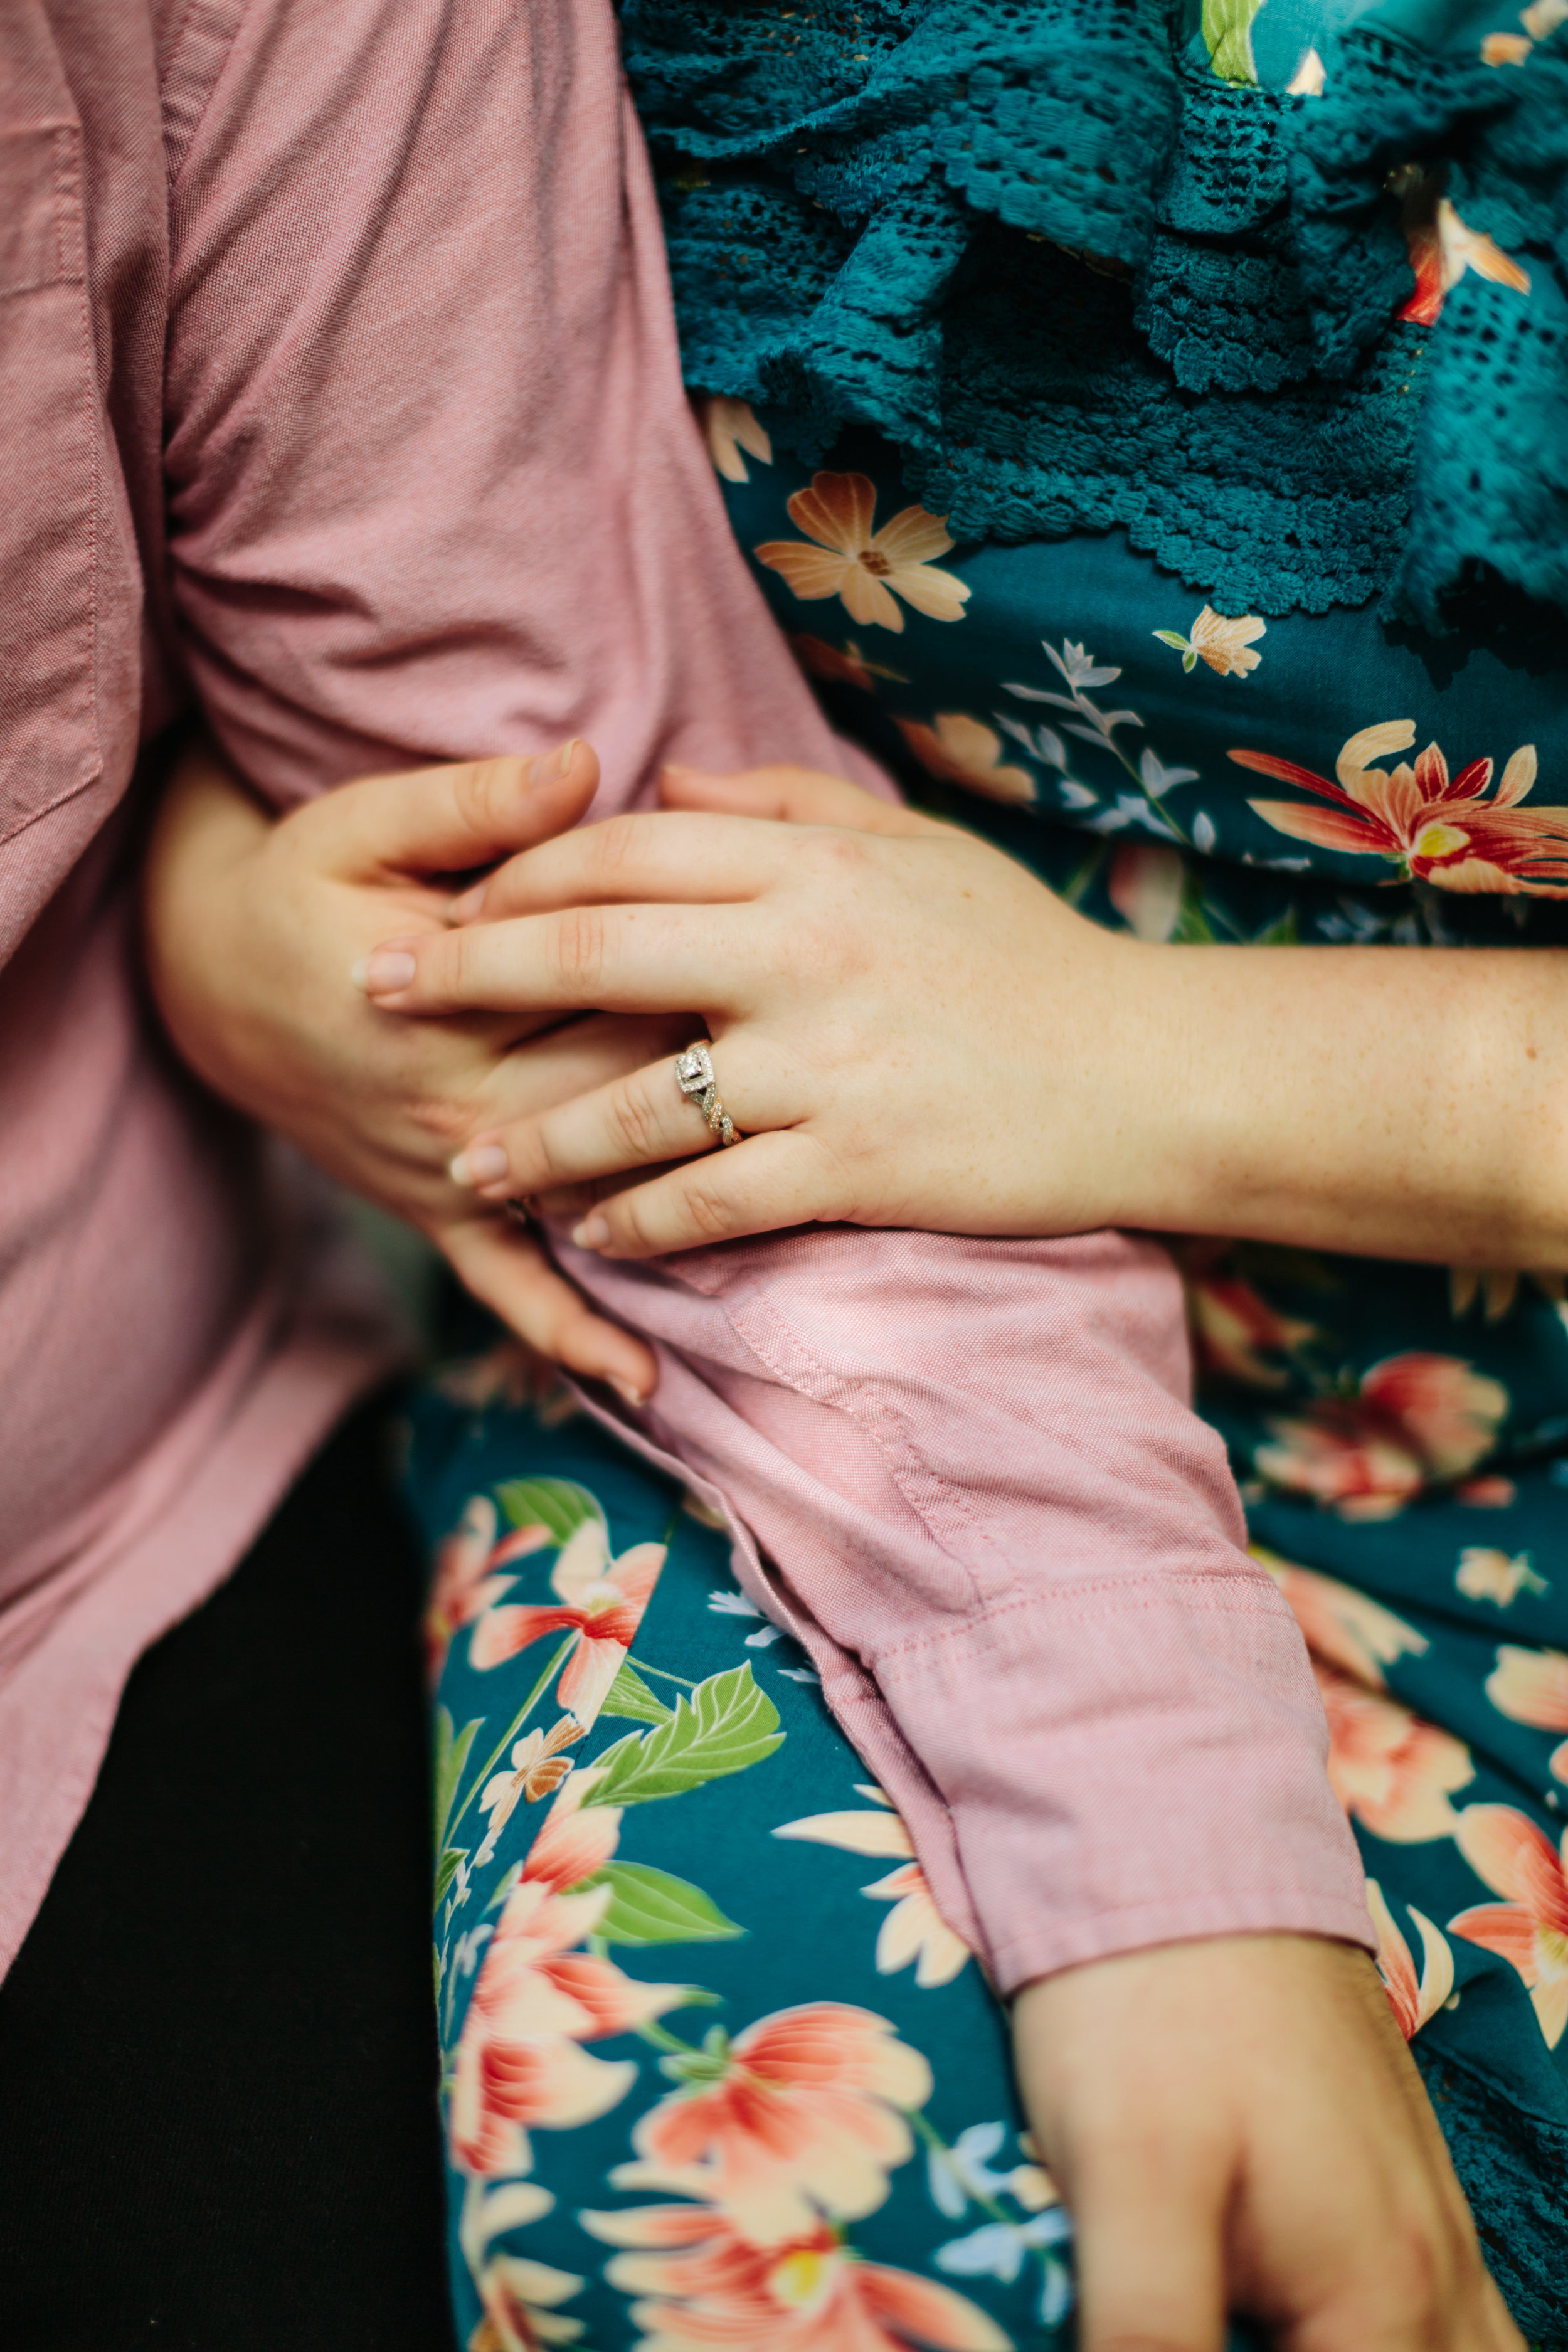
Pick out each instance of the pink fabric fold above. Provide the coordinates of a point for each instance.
(967, 1476)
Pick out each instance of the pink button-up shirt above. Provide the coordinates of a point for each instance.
(338, 394)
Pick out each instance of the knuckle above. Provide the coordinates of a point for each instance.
(631, 1224)
(829, 854)
(541, 1163)
(448, 966)
(636, 1123)
(478, 789)
(707, 1207)
(578, 949)
(611, 846)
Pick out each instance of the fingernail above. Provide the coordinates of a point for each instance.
(592, 1234)
(384, 972)
(551, 766)
(469, 906)
(625, 1390)
(482, 1163)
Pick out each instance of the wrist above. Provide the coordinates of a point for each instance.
(1127, 1146)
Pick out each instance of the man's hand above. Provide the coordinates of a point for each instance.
(252, 926)
(1236, 2124)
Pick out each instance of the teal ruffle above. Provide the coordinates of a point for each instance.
(880, 212)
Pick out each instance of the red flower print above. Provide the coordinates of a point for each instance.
(1434, 829)
(1530, 1930)
(1532, 1686)
(1442, 247)
(466, 1583)
(520, 2060)
(601, 1600)
(1415, 1421)
(1414, 2003)
(1390, 1772)
(707, 2283)
(801, 2116)
(1237, 1331)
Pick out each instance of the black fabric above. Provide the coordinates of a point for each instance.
(217, 2062)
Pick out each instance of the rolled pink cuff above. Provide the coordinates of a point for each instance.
(964, 1473)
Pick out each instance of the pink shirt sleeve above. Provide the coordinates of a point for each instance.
(436, 492)
(435, 489)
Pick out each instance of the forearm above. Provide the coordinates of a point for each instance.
(1396, 1102)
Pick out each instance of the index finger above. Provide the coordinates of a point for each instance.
(659, 856)
(449, 819)
(608, 959)
(790, 796)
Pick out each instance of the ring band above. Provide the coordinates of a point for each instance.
(694, 1074)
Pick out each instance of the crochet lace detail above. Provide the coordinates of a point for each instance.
(1080, 281)
(1513, 2167)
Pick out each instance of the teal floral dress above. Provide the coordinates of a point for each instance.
(716, 2072)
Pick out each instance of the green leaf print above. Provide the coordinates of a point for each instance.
(451, 1862)
(558, 1505)
(726, 1725)
(1228, 33)
(651, 1906)
(630, 1696)
(451, 1755)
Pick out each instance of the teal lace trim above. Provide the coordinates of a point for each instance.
(1514, 2164)
(1081, 282)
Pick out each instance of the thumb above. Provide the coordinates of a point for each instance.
(448, 820)
(797, 795)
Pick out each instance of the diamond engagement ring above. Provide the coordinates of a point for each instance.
(694, 1073)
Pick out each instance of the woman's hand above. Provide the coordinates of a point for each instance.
(251, 927)
(879, 1001)
(912, 1031)
(1236, 2126)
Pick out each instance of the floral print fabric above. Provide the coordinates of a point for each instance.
(716, 2072)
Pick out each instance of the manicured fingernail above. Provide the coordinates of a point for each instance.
(592, 1234)
(482, 1163)
(625, 1390)
(469, 906)
(551, 766)
(384, 972)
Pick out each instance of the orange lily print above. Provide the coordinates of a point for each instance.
(600, 1600)
(868, 570)
(914, 1929)
(520, 2063)
(1236, 1331)
(1413, 2000)
(707, 2283)
(467, 1582)
(1391, 1772)
(1531, 1929)
(1442, 246)
(1435, 829)
(1532, 1686)
(804, 2114)
(1415, 1421)
(963, 750)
